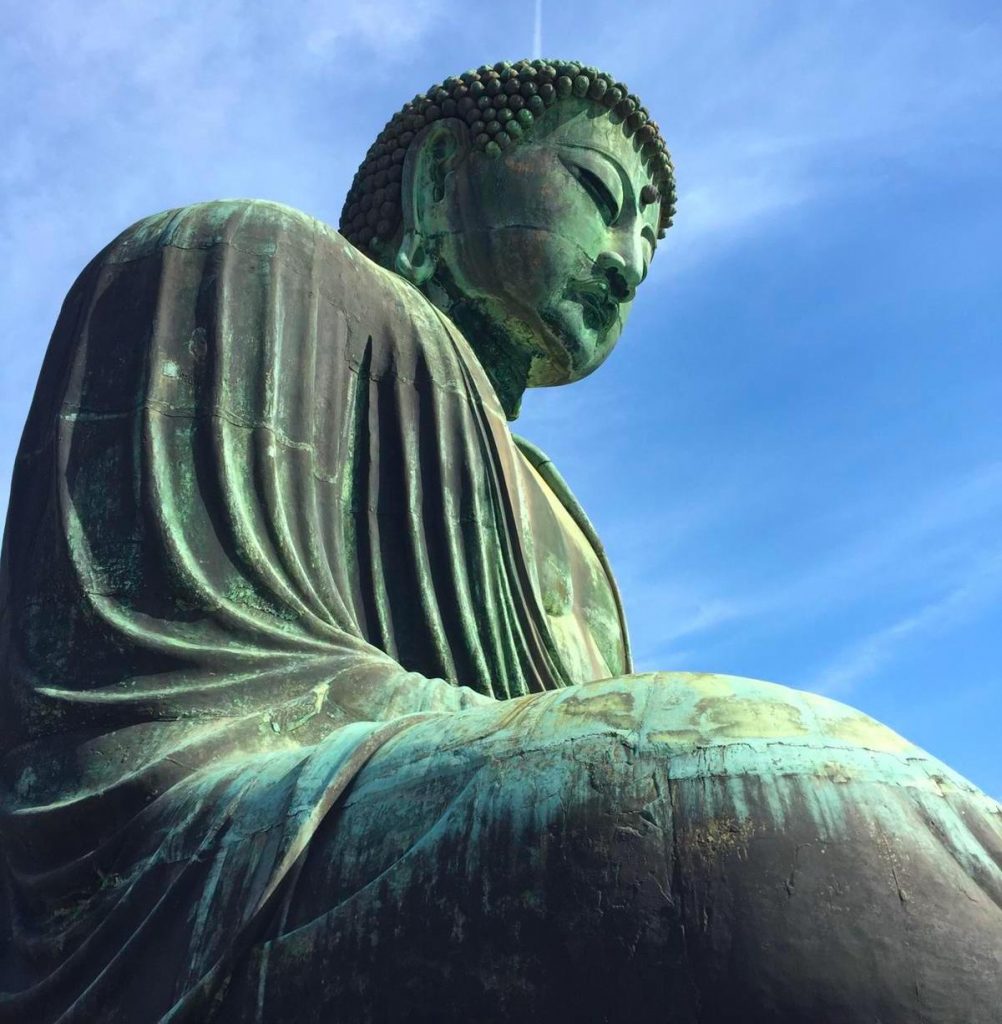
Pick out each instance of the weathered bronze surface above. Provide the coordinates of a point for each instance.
(317, 701)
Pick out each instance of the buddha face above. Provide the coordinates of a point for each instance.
(547, 242)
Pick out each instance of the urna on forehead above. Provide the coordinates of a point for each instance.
(500, 105)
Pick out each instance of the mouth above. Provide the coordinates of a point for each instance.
(600, 309)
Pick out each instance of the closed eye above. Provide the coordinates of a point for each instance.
(600, 193)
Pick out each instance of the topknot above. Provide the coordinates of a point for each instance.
(500, 105)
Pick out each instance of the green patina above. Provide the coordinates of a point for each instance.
(316, 678)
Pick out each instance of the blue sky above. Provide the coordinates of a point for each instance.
(793, 456)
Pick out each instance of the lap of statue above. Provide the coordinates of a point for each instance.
(663, 847)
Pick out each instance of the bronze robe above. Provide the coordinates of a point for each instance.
(266, 512)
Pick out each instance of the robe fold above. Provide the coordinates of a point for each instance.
(267, 513)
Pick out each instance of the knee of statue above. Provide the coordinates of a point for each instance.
(748, 845)
(700, 842)
(724, 847)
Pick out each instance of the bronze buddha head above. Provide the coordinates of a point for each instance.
(526, 202)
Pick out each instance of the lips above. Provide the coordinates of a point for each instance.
(600, 308)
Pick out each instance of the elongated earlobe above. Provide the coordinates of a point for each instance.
(432, 155)
(415, 259)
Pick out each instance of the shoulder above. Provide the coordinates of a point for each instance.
(276, 256)
(252, 258)
(256, 225)
(259, 231)
(279, 246)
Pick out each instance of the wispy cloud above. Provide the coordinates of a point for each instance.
(903, 543)
(864, 658)
(911, 549)
(768, 107)
(384, 27)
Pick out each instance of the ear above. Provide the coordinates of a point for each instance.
(433, 154)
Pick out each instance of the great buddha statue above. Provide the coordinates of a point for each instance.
(317, 700)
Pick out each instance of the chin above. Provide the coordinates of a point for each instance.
(582, 348)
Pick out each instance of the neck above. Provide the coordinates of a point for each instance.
(505, 360)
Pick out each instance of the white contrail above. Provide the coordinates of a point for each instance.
(537, 31)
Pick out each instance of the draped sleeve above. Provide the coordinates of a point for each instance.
(262, 519)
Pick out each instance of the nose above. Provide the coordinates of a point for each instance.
(623, 271)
